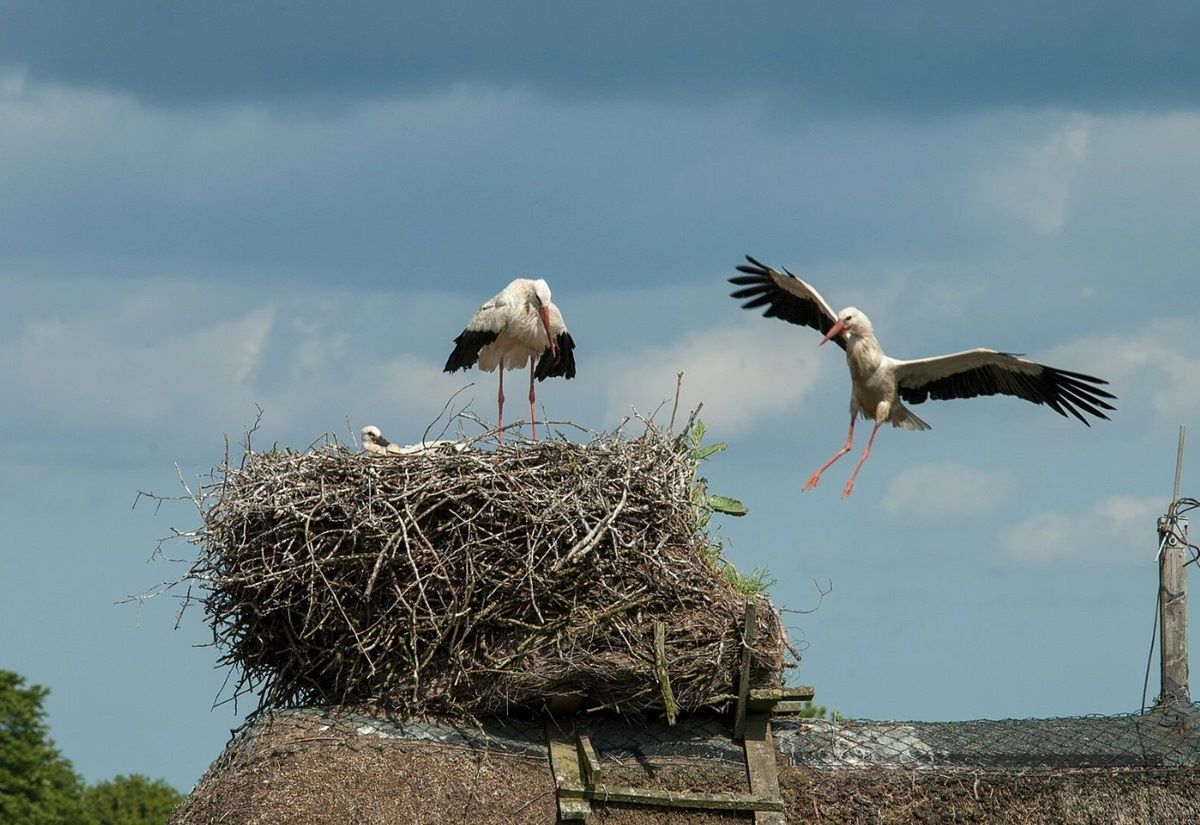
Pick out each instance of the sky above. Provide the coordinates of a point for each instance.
(211, 208)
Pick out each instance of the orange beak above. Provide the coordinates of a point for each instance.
(834, 331)
(545, 313)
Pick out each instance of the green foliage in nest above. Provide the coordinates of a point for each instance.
(757, 581)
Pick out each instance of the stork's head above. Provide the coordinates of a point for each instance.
(541, 292)
(851, 321)
(540, 299)
(371, 434)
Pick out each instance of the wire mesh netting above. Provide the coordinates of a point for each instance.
(1166, 737)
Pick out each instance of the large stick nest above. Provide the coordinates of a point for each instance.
(473, 581)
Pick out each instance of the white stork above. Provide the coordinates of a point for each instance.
(881, 383)
(374, 442)
(519, 324)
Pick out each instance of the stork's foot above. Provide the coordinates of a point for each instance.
(813, 481)
(848, 489)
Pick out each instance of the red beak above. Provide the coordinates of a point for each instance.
(834, 331)
(545, 313)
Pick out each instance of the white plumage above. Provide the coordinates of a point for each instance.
(428, 446)
(520, 325)
(880, 384)
(374, 442)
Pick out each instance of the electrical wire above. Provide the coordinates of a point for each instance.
(1150, 655)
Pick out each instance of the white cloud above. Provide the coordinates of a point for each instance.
(1158, 369)
(12, 82)
(132, 366)
(946, 492)
(86, 371)
(1116, 531)
(741, 374)
(173, 357)
(1035, 186)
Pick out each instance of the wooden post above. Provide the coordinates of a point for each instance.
(761, 769)
(568, 779)
(664, 675)
(1172, 600)
(749, 625)
(589, 763)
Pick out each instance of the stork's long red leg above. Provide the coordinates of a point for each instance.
(816, 477)
(850, 484)
(500, 403)
(532, 417)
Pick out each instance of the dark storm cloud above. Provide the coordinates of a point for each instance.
(892, 57)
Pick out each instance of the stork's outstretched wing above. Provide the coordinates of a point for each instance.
(784, 296)
(988, 372)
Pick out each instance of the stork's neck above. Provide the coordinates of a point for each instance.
(863, 353)
(864, 337)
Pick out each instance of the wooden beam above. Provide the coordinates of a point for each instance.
(681, 799)
(779, 700)
(664, 676)
(761, 768)
(589, 763)
(568, 782)
(803, 693)
(749, 626)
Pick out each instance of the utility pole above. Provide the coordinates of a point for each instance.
(1172, 597)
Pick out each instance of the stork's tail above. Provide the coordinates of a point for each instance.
(904, 417)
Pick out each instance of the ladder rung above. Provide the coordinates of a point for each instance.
(803, 693)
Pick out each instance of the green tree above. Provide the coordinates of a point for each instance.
(811, 711)
(130, 800)
(38, 786)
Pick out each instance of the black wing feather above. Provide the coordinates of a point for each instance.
(1067, 393)
(466, 348)
(561, 366)
(761, 290)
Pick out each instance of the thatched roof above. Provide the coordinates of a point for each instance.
(343, 765)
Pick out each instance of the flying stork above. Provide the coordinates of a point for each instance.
(880, 383)
(517, 325)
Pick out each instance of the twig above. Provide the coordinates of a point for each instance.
(660, 668)
(823, 592)
(445, 407)
(675, 407)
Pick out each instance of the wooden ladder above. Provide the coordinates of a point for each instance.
(579, 777)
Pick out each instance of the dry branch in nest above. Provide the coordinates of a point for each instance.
(472, 582)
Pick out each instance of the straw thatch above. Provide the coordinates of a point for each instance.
(335, 767)
(468, 582)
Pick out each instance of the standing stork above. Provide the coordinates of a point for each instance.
(880, 383)
(519, 324)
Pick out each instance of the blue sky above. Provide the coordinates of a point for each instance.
(209, 207)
